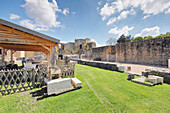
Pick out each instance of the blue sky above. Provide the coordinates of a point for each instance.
(95, 19)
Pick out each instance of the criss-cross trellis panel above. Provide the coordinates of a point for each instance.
(12, 81)
(39, 74)
(66, 69)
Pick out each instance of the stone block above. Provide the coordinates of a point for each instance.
(130, 77)
(121, 68)
(153, 80)
(58, 85)
(159, 79)
(77, 83)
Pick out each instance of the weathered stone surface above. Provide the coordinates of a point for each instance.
(121, 68)
(150, 52)
(105, 53)
(77, 83)
(159, 79)
(58, 85)
(131, 76)
(103, 65)
(153, 80)
(161, 73)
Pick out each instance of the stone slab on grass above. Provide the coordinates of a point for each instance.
(121, 68)
(76, 82)
(158, 79)
(58, 85)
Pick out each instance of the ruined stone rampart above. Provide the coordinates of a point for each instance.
(150, 52)
(105, 53)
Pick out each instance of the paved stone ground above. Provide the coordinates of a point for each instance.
(135, 68)
(138, 69)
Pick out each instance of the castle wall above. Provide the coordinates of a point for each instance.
(105, 53)
(150, 52)
(69, 48)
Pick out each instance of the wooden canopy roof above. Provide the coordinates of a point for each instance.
(19, 38)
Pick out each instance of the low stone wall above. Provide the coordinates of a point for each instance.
(109, 66)
(162, 73)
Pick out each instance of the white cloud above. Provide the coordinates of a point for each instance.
(14, 16)
(42, 29)
(125, 30)
(149, 7)
(111, 20)
(168, 11)
(100, 3)
(146, 16)
(97, 44)
(66, 11)
(97, 9)
(43, 13)
(107, 11)
(154, 31)
(122, 15)
(63, 42)
(28, 23)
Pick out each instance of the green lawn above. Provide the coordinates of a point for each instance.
(103, 91)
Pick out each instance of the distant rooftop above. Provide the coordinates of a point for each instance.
(18, 27)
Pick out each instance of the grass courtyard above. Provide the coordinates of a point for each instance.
(103, 91)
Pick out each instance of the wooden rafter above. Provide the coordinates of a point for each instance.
(17, 34)
(18, 47)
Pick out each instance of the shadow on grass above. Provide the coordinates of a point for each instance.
(42, 93)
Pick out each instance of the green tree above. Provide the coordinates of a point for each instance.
(111, 41)
(124, 39)
(148, 37)
(137, 38)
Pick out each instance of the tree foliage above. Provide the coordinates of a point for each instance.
(124, 39)
(111, 41)
(148, 37)
(137, 38)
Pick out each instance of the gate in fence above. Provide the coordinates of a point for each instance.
(12, 81)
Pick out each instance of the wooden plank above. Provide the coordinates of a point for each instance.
(12, 30)
(24, 47)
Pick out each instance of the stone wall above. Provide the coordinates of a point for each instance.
(105, 53)
(150, 52)
(69, 48)
(102, 65)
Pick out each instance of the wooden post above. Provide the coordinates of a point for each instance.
(11, 55)
(33, 78)
(48, 59)
(3, 54)
(52, 56)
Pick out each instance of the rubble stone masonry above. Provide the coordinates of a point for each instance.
(150, 52)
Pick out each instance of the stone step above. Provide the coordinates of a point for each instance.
(58, 85)
(77, 83)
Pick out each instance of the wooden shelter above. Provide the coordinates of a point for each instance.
(17, 38)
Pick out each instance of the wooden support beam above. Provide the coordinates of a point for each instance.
(24, 47)
(3, 55)
(11, 55)
(26, 35)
